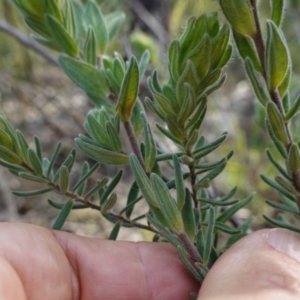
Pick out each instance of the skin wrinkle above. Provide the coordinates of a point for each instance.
(75, 272)
(149, 290)
(37, 240)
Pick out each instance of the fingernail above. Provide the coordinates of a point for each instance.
(284, 241)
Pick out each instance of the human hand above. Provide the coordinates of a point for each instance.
(36, 263)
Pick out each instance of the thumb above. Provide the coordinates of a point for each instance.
(263, 265)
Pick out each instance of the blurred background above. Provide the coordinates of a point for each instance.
(39, 99)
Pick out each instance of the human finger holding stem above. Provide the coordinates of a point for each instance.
(36, 263)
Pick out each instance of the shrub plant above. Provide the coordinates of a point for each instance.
(189, 218)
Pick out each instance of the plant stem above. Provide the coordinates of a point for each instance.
(18, 36)
(258, 39)
(134, 143)
(92, 205)
(193, 177)
(190, 247)
(260, 46)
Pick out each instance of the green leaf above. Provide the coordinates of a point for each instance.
(226, 215)
(102, 155)
(284, 207)
(227, 229)
(109, 203)
(114, 138)
(168, 134)
(62, 37)
(279, 146)
(277, 165)
(90, 52)
(53, 159)
(283, 88)
(188, 216)
(32, 193)
(35, 162)
(179, 183)
(38, 148)
(85, 76)
(277, 11)
(167, 204)
(193, 296)
(173, 54)
(240, 15)
(277, 56)
(136, 118)
(114, 182)
(202, 151)
(246, 49)
(53, 9)
(143, 181)
(172, 238)
(277, 123)
(85, 176)
(201, 57)
(69, 18)
(176, 130)
(293, 110)
(31, 177)
(214, 202)
(260, 92)
(282, 224)
(143, 63)
(9, 156)
(150, 146)
(129, 91)
(113, 23)
(294, 159)
(99, 185)
(209, 235)
(278, 187)
(187, 263)
(63, 179)
(94, 17)
(132, 199)
(245, 228)
(64, 213)
(115, 231)
(286, 184)
(5, 140)
(59, 206)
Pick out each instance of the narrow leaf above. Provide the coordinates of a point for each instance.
(90, 52)
(188, 216)
(63, 179)
(167, 204)
(129, 91)
(85, 76)
(282, 224)
(64, 213)
(179, 183)
(59, 206)
(143, 181)
(102, 155)
(225, 216)
(277, 11)
(62, 37)
(209, 235)
(112, 185)
(35, 162)
(115, 231)
(32, 193)
(277, 123)
(277, 56)
(109, 203)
